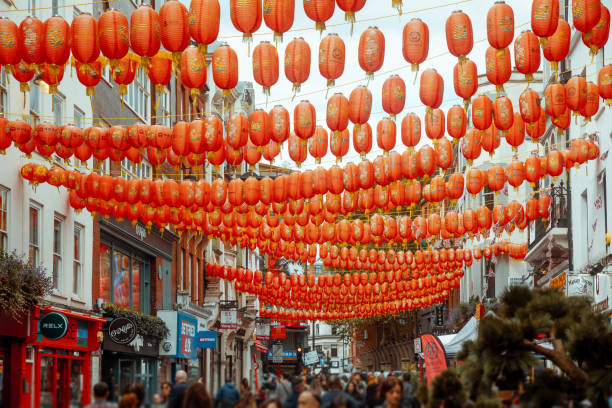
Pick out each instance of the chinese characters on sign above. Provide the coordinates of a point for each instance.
(229, 320)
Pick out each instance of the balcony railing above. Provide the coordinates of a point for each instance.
(559, 214)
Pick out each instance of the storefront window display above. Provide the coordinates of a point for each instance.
(120, 278)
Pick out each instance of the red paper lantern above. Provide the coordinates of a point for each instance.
(145, 36)
(482, 112)
(500, 25)
(459, 36)
(557, 46)
(555, 97)
(386, 134)
(203, 20)
(279, 120)
(591, 107)
(393, 95)
(371, 51)
(331, 58)
(465, 80)
(362, 139)
(503, 114)
(278, 16)
(304, 120)
(360, 105)
(415, 42)
(599, 34)
(265, 65)
(317, 145)
(456, 122)
(31, 34)
(576, 93)
(297, 63)
(527, 54)
(174, 27)
(225, 68)
(246, 17)
(516, 134)
(56, 41)
(193, 70)
(604, 84)
(84, 34)
(585, 15)
(297, 149)
(431, 89)
(319, 11)
(434, 124)
(337, 113)
(498, 67)
(471, 145)
(544, 18)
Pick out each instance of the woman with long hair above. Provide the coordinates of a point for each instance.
(197, 397)
(391, 391)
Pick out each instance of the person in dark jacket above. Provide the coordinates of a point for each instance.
(228, 395)
(334, 386)
(297, 387)
(178, 391)
(372, 399)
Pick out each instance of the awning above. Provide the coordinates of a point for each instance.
(452, 343)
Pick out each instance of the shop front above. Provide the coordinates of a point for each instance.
(61, 343)
(181, 345)
(128, 358)
(13, 335)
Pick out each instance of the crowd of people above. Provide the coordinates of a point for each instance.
(297, 391)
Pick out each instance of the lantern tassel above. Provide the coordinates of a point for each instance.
(349, 17)
(248, 38)
(296, 89)
(397, 4)
(278, 37)
(320, 27)
(91, 101)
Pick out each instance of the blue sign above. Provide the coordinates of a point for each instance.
(287, 355)
(207, 339)
(186, 336)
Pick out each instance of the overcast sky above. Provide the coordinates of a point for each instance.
(376, 13)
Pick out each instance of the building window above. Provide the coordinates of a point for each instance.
(58, 227)
(334, 352)
(124, 279)
(3, 219)
(77, 260)
(56, 6)
(3, 92)
(138, 95)
(164, 108)
(79, 116)
(32, 7)
(334, 331)
(34, 104)
(34, 253)
(317, 329)
(130, 170)
(365, 334)
(58, 109)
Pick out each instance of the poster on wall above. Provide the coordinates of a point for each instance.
(229, 320)
(580, 285)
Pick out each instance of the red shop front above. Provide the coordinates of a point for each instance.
(61, 368)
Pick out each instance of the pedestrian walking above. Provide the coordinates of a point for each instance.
(308, 400)
(138, 390)
(297, 387)
(228, 395)
(100, 394)
(271, 403)
(283, 388)
(391, 393)
(128, 400)
(177, 394)
(160, 400)
(334, 385)
(196, 396)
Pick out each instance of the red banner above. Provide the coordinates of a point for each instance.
(435, 357)
(278, 332)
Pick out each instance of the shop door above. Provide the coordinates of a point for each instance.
(61, 381)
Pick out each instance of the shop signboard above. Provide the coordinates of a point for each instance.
(262, 332)
(312, 357)
(278, 332)
(186, 339)
(122, 330)
(286, 354)
(580, 285)
(54, 325)
(229, 320)
(277, 353)
(207, 339)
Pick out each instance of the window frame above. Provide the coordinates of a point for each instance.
(137, 89)
(78, 121)
(31, 245)
(142, 170)
(4, 99)
(58, 117)
(58, 254)
(4, 208)
(77, 277)
(164, 108)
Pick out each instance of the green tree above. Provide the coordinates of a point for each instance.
(507, 344)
